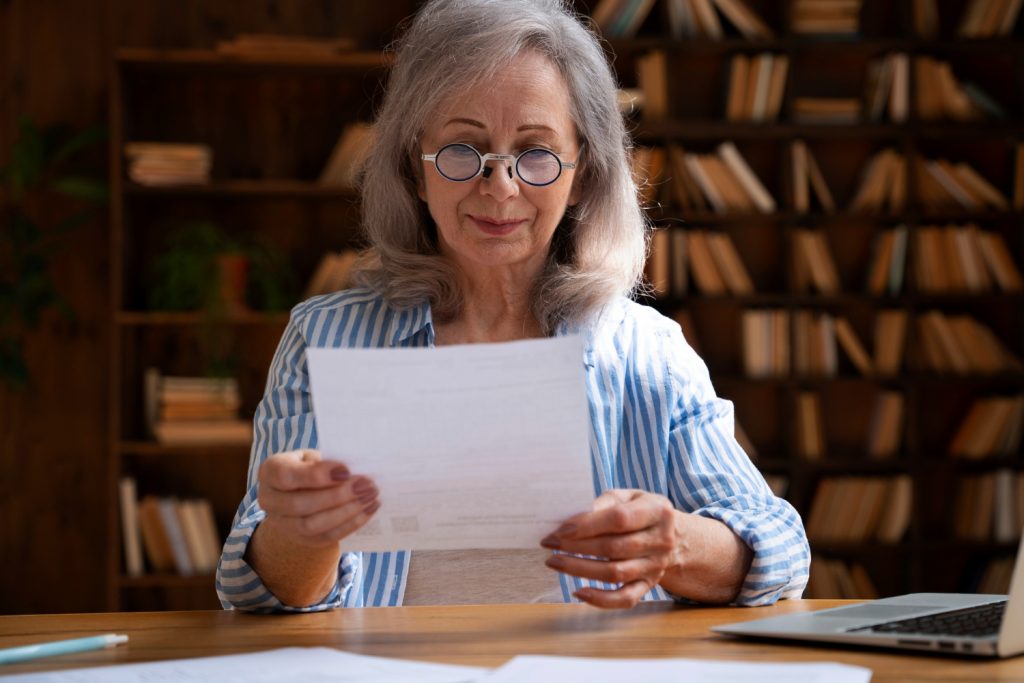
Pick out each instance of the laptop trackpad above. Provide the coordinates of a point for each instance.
(878, 612)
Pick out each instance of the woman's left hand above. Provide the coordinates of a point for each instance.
(637, 532)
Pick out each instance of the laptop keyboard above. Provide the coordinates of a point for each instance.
(983, 620)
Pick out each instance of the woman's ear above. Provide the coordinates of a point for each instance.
(576, 192)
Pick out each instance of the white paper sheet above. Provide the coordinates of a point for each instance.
(582, 670)
(286, 665)
(474, 446)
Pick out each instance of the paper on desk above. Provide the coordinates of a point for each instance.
(473, 446)
(286, 665)
(582, 670)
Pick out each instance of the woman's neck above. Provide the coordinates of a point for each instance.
(490, 313)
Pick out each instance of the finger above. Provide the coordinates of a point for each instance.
(637, 514)
(623, 598)
(297, 470)
(619, 572)
(302, 503)
(655, 540)
(354, 524)
(318, 527)
(613, 497)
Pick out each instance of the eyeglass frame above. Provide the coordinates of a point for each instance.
(484, 158)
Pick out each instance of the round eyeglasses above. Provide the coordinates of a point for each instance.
(461, 162)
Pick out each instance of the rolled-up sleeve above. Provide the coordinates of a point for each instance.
(709, 474)
(283, 422)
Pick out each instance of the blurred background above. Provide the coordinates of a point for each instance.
(837, 187)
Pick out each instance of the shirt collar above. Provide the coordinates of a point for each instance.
(407, 323)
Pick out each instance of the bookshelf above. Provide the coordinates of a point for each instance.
(271, 122)
(694, 103)
(245, 107)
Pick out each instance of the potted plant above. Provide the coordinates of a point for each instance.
(204, 268)
(42, 167)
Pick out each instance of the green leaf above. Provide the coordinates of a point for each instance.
(82, 187)
(87, 138)
(28, 156)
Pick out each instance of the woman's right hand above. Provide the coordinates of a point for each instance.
(311, 501)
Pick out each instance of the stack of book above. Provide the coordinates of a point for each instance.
(990, 507)
(860, 509)
(164, 163)
(345, 164)
(176, 536)
(332, 274)
(649, 173)
(716, 264)
(277, 46)
(825, 16)
(941, 96)
(756, 86)
(888, 88)
(989, 18)
(961, 345)
(698, 19)
(727, 182)
(963, 259)
(195, 411)
(814, 345)
(993, 426)
(807, 176)
(765, 334)
(883, 183)
(826, 110)
(943, 184)
(994, 578)
(835, 579)
(924, 15)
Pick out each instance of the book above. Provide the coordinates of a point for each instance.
(997, 258)
(167, 509)
(750, 182)
(810, 428)
(652, 77)
(703, 264)
(895, 519)
(739, 67)
(204, 432)
(659, 260)
(154, 535)
(345, 163)
(744, 19)
(853, 347)
(826, 110)
(729, 264)
(885, 430)
(890, 336)
(131, 536)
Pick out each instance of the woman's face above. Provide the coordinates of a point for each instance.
(498, 221)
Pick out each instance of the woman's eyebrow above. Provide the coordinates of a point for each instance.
(468, 122)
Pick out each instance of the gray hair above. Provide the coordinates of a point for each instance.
(598, 250)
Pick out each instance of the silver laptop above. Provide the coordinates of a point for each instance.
(982, 625)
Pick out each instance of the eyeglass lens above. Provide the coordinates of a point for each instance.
(462, 162)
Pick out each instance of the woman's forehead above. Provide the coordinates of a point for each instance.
(527, 94)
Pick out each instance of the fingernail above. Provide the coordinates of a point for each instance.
(367, 498)
(551, 541)
(555, 562)
(372, 507)
(340, 473)
(362, 487)
(566, 530)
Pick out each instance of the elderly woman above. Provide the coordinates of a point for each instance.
(499, 205)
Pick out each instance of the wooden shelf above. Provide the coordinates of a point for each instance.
(807, 43)
(699, 129)
(240, 189)
(211, 60)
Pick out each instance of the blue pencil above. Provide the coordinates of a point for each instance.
(23, 653)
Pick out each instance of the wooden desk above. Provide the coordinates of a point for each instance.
(479, 635)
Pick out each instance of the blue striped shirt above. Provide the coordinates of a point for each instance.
(656, 424)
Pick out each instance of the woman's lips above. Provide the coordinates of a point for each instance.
(496, 226)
